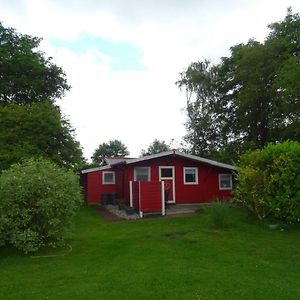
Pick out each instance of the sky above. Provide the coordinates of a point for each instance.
(122, 58)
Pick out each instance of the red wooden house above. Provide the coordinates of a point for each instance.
(147, 183)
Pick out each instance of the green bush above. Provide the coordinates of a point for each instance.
(220, 214)
(38, 201)
(268, 182)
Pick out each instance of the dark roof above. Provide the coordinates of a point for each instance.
(184, 155)
(116, 160)
(127, 161)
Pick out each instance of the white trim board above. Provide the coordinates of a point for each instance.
(196, 176)
(169, 178)
(108, 172)
(225, 188)
(95, 169)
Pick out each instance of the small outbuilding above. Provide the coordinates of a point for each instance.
(149, 183)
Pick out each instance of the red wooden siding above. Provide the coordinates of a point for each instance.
(206, 190)
(150, 193)
(147, 196)
(95, 188)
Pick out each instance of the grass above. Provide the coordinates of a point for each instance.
(163, 258)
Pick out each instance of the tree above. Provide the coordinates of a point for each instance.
(34, 130)
(202, 125)
(250, 98)
(114, 148)
(155, 147)
(26, 75)
(286, 36)
(252, 86)
(38, 203)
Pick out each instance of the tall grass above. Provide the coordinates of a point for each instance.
(220, 214)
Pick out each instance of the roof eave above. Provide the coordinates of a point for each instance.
(181, 154)
(95, 169)
(207, 161)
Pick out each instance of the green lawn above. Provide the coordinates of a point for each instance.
(163, 258)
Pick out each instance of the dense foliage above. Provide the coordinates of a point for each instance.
(250, 98)
(26, 75)
(31, 124)
(155, 147)
(37, 129)
(38, 203)
(114, 148)
(268, 181)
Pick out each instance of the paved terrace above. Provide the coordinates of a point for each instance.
(112, 213)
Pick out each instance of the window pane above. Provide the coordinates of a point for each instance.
(108, 177)
(190, 175)
(142, 174)
(166, 173)
(141, 177)
(190, 178)
(225, 181)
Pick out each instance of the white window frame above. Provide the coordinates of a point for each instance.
(225, 188)
(166, 167)
(196, 175)
(108, 172)
(149, 172)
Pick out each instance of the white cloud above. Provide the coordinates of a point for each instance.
(133, 106)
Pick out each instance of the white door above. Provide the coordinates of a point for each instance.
(167, 174)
